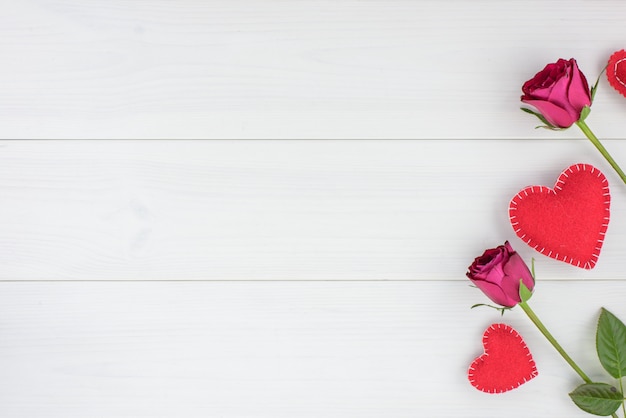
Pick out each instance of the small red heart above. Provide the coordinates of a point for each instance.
(616, 71)
(568, 222)
(505, 364)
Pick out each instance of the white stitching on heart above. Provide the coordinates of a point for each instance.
(622, 82)
(518, 337)
(586, 264)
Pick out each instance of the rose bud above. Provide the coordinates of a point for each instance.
(498, 273)
(559, 93)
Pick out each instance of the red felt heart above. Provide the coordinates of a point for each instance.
(616, 71)
(567, 223)
(505, 364)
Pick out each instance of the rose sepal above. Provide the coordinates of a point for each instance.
(584, 113)
(594, 88)
(502, 309)
(524, 293)
(546, 124)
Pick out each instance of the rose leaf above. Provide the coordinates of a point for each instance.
(597, 398)
(611, 344)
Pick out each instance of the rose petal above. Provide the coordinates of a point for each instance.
(517, 270)
(578, 93)
(510, 288)
(539, 94)
(495, 293)
(545, 78)
(559, 96)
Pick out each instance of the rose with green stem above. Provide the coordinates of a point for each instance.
(560, 97)
(503, 276)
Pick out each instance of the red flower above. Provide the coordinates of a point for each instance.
(498, 273)
(559, 93)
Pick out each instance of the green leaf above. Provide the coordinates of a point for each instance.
(611, 344)
(584, 113)
(524, 293)
(597, 398)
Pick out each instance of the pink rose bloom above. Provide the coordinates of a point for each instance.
(498, 273)
(559, 93)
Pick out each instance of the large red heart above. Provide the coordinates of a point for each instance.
(616, 71)
(505, 364)
(568, 222)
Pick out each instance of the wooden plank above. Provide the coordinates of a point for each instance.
(276, 210)
(306, 69)
(279, 349)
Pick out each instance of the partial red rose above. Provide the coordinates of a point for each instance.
(559, 93)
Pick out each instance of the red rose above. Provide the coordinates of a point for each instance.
(559, 93)
(498, 273)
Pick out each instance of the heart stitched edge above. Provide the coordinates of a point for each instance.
(615, 61)
(470, 373)
(586, 264)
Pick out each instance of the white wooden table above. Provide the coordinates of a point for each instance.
(167, 251)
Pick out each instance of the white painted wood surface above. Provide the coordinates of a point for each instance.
(274, 278)
(278, 349)
(293, 69)
(277, 210)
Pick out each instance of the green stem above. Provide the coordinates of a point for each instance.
(533, 317)
(595, 141)
(621, 389)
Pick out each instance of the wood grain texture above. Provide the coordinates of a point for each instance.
(270, 278)
(276, 210)
(297, 69)
(279, 349)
